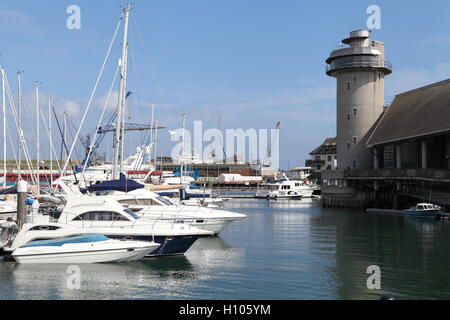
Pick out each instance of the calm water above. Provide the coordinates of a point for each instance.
(284, 250)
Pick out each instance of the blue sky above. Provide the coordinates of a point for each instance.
(251, 62)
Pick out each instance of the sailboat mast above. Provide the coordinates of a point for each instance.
(19, 111)
(64, 137)
(152, 132)
(182, 149)
(156, 141)
(37, 135)
(119, 132)
(50, 139)
(4, 125)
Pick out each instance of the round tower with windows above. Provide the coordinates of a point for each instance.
(359, 67)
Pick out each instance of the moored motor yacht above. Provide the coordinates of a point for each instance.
(8, 209)
(150, 205)
(82, 249)
(285, 189)
(102, 215)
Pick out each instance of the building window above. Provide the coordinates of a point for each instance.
(355, 140)
(317, 157)
(388, 156)
(354, 164)
(328, 158)
(348, 117)
(355, 112)
(348, 145)
(354, 79)
(348, 85)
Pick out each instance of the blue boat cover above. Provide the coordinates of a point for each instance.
(60, 241)
(123, 184)
(166, 194)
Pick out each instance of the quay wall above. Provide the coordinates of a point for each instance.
(361, 200)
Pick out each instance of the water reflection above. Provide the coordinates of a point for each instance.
(155, 278)
(283, 250)
(412, 254)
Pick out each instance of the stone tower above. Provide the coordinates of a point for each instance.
(359, 67)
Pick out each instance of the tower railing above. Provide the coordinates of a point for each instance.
(359, 62)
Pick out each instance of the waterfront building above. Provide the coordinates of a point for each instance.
(359, 67)
(408, 144)
(299, 173)
(324, 157)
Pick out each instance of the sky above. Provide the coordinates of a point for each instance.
(249, 63)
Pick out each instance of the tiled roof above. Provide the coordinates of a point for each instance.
(420, 112)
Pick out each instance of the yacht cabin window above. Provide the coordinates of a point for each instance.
(101, 216)
(140, 202)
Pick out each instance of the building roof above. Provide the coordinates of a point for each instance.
(420, 112)
(327, 147)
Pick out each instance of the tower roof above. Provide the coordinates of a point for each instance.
(357, 34)
(359, 53)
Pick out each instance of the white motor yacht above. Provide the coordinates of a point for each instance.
(150, 205)
(103, 215)
(8, 209)
(82, 249)
(285, 189)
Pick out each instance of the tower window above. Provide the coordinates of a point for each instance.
(355, 112)
(348, 85)
(354, 140)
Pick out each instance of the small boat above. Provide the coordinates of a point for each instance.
(94, 248)
(423, 210)
(8, 209)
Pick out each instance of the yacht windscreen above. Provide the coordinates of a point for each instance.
(131, 213)
(167, 202)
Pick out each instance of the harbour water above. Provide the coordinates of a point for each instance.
(283, 250)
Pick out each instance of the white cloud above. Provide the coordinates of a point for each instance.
(71, 107)
(406, 79)
(437, 39)
(17, 21)
(111, 103)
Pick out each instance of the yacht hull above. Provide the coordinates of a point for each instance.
(102, 256)
(79, 253)
(422, 214)
(173, 245)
